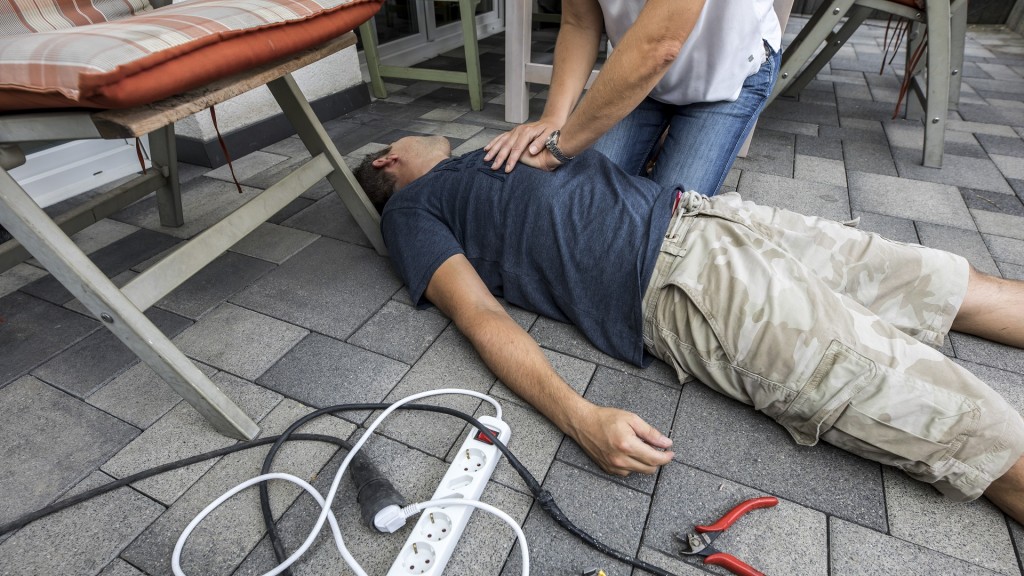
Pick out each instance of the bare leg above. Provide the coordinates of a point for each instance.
(993, 309)
(1007, 492)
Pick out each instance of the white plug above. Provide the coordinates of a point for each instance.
(433, 539)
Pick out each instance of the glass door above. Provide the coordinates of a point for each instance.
(411, 31)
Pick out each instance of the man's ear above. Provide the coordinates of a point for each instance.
(385, 161)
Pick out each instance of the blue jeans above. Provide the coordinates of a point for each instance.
(703, 138)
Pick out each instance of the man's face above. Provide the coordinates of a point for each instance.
(421, 146)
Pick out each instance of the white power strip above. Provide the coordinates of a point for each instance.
(438, 530)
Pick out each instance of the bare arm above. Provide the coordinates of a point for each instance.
(637, 64)
(618, 441)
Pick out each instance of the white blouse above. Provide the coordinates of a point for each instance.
(725, 47)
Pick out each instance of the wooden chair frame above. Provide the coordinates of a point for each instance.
(121, 309)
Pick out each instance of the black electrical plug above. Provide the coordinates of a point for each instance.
(380, 504)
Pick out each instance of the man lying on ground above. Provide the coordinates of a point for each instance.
(824, 328)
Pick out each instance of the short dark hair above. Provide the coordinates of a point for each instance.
(378, 184)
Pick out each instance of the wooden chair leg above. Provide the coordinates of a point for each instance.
(313, 135)
(44, 239)
(165, 160)
(368, 34)
(957, 39)
(517, 54)
(467, 14)
(855, 17)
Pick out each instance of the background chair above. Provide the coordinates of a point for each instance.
(198, 54)
(933, 79)
(471, 77)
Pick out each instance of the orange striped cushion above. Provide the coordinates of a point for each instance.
(24, 16)
(158, 53)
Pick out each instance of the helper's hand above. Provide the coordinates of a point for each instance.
(621, 442)
(519, 143)
(545, 160)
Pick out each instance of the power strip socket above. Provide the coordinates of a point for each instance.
(438, 530)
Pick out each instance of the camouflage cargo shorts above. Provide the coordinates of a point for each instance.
(828, 330)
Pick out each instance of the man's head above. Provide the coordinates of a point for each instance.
(383, 173)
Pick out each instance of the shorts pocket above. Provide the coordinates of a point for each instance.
(882, 413)
(920, 425)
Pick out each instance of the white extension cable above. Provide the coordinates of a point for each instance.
(325, 503)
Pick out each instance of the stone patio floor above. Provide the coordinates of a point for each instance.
(303, 314)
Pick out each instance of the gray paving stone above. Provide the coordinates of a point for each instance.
(1010, 166)
(204, 201)
(687, 497)
(330, 287)
(654, 403)
(239, 341)
(811, 198)
(329, 217)
(477, 141)
(868, 157)
(181, 433)
(791, 126)
(855, 550)
(101, 234)
(993, 201)
(18, 276)
(139, 396)
(1004, 249)
(568, 340)
(273, 174)
(214, 284)
(81, 539)
(93, 361)
(921, 201)
(53, 441)
(220, 543)
(973, 531)
(770, 152)
(898, 229)
(981, 128)
(399, 331)
(999, 224)
(814, 169)
(450, 362)
(34, 330)
(910, 134)
(120, 568)
(273, 243)
(1011, 271)
(1004, 145)
(321, 372)
(988, 353)
(575, 372)
(246, 166)
(823, 114)
(670, 562)
(864, 109)
(291, 147)
(560, 554)
(980, 173)
(112, 260)
(728, 439)
(966, 243)
(830, 148)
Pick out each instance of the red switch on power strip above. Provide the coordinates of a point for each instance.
(480, 437)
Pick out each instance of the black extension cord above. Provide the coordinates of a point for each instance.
(543, 497)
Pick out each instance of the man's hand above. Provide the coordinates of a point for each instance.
(621, 442)
(520, 143)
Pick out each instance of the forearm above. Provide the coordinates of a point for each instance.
(579, 40)
(517, 360)
(638, 63)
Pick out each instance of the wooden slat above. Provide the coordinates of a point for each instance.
(136, 122)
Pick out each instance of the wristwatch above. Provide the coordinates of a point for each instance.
(552, 145)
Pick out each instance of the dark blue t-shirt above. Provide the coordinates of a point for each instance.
(577, 245)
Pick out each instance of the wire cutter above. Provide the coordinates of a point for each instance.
(700, 541)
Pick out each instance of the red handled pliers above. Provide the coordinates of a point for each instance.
(700, 541)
